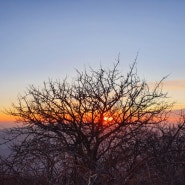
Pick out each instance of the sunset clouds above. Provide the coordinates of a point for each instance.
(176, 91)
(175, 85)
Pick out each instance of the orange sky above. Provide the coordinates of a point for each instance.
(7, 122)
(6, 118)
(175, 89)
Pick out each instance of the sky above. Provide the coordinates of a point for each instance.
(42, 39)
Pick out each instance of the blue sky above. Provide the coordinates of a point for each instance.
(41, 39)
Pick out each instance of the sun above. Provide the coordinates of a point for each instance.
(107, 118)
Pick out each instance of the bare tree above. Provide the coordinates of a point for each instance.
(89, 127)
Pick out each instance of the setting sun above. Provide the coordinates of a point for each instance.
(107, 118)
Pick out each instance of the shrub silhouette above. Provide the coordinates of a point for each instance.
(103, 127)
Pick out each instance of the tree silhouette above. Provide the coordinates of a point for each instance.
(88, 128)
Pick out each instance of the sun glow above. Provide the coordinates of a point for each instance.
(107, 118)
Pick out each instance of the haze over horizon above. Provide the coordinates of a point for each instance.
(50, 39)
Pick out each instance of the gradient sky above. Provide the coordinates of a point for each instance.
(41, 39)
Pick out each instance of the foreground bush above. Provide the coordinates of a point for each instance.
(101, 128)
